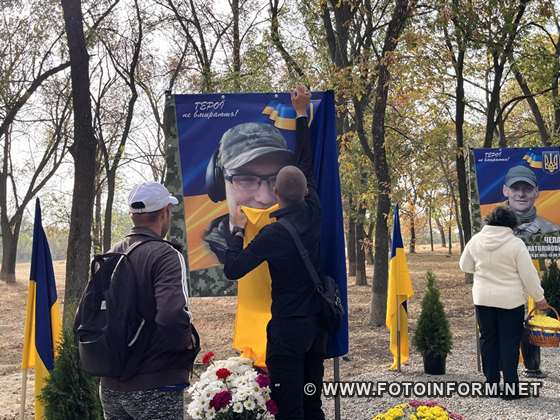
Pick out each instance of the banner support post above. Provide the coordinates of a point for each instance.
(23, 393)
(336, 376)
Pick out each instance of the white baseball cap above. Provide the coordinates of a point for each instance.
(148, 197)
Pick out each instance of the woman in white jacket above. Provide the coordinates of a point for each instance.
(503, 277)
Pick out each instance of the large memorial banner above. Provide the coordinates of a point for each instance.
(202, 120)
(528, 181)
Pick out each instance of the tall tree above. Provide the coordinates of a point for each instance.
(126, 67)
(32, 100)
(401, 12)
(83, 150)
(203, 32)
(40, 171)
(502, 24)
(463, 21)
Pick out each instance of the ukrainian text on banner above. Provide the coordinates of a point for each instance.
(528, 181)
(202, 120)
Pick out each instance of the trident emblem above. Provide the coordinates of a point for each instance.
(551, 161)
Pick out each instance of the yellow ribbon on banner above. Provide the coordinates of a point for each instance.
(253, 296)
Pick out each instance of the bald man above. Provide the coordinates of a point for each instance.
(296, 338)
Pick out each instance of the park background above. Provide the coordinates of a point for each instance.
(82, 118)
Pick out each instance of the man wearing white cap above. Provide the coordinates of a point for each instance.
(156, 390)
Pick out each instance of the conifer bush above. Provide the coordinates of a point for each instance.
(432, 335)
(70, 393)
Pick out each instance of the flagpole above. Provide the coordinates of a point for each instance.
(398, 335)
(23, 393)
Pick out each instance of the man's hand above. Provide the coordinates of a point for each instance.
(542, 305)
(238, 218)
(301, 97)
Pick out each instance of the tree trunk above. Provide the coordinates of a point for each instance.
(9, 253)
(531, 101)
(459, 228)
(501, 126)
(97, 224)
(369, 253)
(8, 270)
(460, 161)
(456, 208)
(441, 232)
(291, 64)
(236, 46)
(430, 226)
(361, 279)
(108, 218)
(351, 239)
(493, 105)
(412, 245)
(379, 285)
(450, 239)
(83, 151)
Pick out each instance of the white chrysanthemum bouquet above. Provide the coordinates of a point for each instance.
(231, 389)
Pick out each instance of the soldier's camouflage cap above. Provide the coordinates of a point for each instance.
(520, 173)
(245, 142)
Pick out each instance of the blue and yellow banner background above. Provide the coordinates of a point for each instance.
(201, 121)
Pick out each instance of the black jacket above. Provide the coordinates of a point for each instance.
(160, 270)
(293, 291)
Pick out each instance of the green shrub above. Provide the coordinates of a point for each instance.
(70, 393)
(551, 285)
(432, 333)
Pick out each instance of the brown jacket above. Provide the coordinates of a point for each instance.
(160, 270)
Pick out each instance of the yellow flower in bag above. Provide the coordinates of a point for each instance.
(544, 321)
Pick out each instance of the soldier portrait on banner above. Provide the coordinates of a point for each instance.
(527, 180)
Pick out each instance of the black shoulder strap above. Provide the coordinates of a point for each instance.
(302, 252)
(139, 243)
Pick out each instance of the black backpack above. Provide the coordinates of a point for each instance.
(111, 332)
(332, 310)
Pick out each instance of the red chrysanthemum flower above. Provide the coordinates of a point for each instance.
(262, 380)
(272, 407)
(220, 400)
(207, 358)
(222, 373)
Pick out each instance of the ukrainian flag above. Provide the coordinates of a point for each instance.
(42, 321)
(533, 159)
(284, 116)
(399, 291)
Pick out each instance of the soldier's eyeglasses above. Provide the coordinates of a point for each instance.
(250, 183)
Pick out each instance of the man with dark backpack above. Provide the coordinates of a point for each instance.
(297, 331)
(133, 325)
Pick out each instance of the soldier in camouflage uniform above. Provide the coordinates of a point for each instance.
(249, 157)
(521, 190)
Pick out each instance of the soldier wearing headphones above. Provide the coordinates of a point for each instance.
(243, 172)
